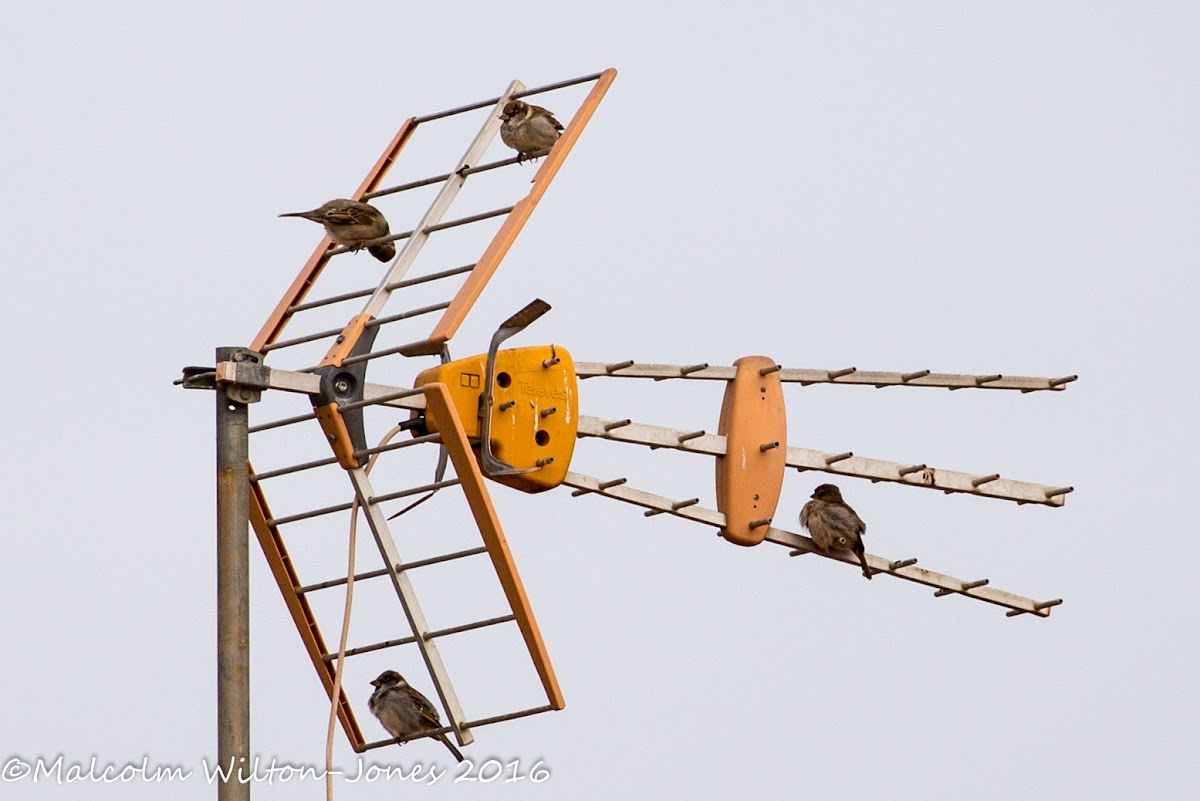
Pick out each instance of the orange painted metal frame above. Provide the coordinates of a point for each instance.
(346, 342)
(334, 426)
(439, 406)
(316, 262)
(306, 623)
(269, 538)
(749, 478)
(471, 289)
(457, 445)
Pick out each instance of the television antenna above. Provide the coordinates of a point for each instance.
(510, 415)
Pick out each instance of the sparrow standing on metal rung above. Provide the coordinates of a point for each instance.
(403, 711)
(353, 224)
(834, 525)
(529, 130)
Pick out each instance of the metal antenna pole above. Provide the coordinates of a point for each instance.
(233, 590)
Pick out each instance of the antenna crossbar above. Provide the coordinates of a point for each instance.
(902, 569)
(362, 293)
(383, 571)
(805, 377)
(470, 724)
(846, 463)
(429, 635)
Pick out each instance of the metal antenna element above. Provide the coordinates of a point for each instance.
(511, 327)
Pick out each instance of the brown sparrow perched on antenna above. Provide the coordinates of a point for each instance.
(833, 524)
(353, 224)
(403, 711)
(529, 130)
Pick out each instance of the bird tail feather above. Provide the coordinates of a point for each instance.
(861, 552)
(446, 741)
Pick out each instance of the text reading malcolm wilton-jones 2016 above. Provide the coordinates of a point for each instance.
(59, 770)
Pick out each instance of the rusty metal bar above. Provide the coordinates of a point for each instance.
(486, 215)
(393, 318)
(375, 401)
(375, 354)
(479, 624)
(276, 522)
(383, 571)
(366, 649)
(493, 100)
(362, 293)
(470, 724)
(429, 635)
(287, 343)
(325, 585)
(391, 496)
(394, 446)
(296, 468)
(437, 179)
(285, 421)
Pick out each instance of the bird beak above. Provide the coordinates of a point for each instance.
(374, 682)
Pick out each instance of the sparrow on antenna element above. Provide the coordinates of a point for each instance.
(834, 525)
(353, 224)
(529, 130)
(403, 711)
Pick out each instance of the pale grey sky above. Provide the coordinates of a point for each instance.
(962, 187)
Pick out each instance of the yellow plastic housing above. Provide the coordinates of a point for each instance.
(535, 414)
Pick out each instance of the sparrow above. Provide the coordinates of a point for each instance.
(353, 224)
(833, 524)
(529, 130)
(403, 711)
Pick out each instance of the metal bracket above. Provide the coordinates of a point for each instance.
(243, 383)
(510, 327)
(343, 385)
(198, 377)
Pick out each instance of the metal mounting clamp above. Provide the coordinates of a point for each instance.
(343, 385)
(240, 372)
